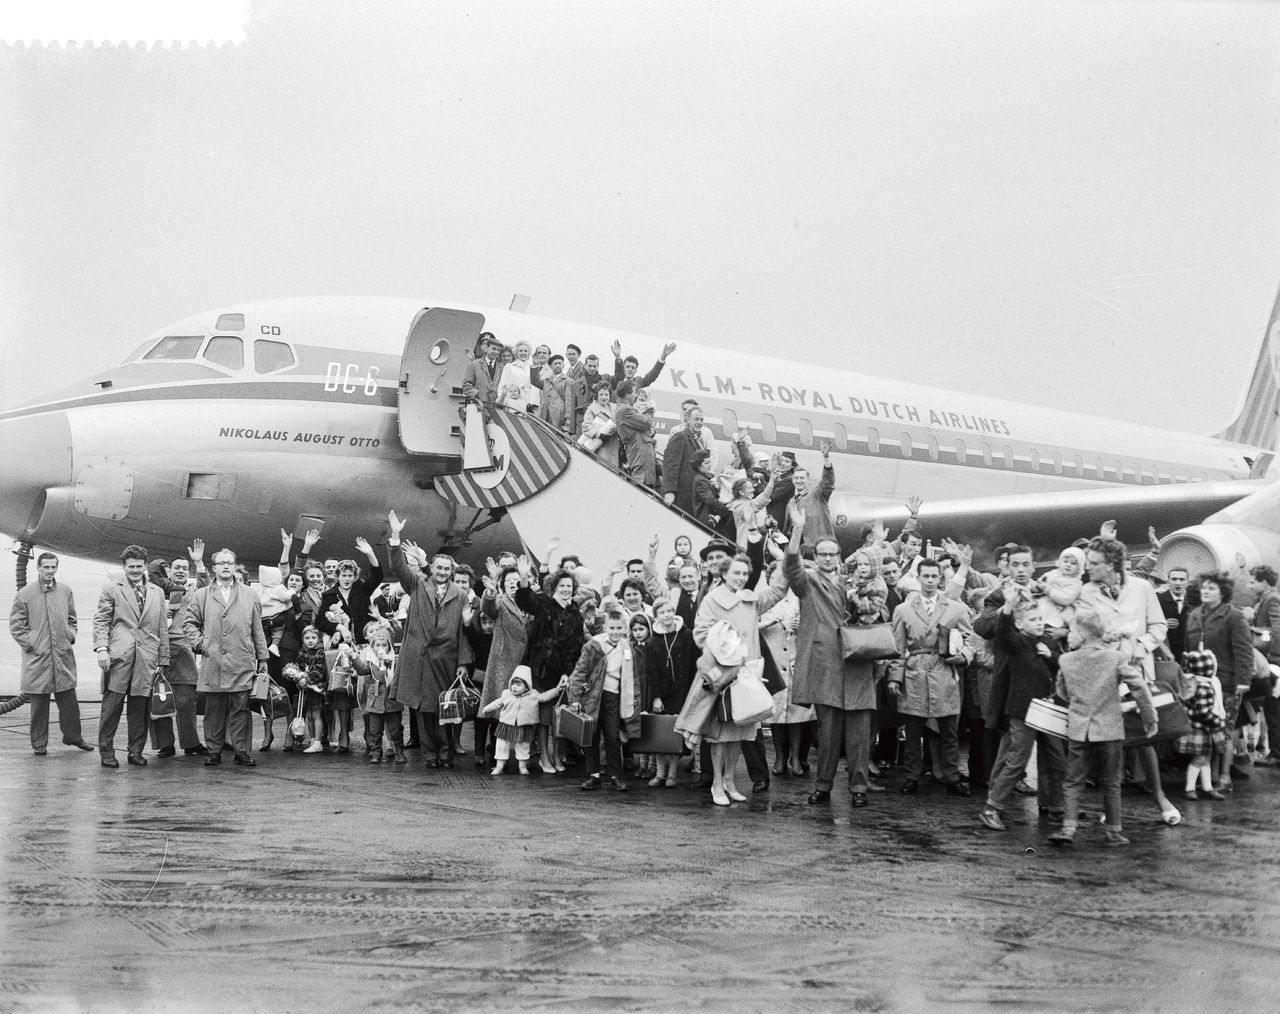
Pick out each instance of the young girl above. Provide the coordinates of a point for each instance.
(518, 717)
(1208, 718)
(313, 683)
(641, 629)
(376, 664)
(1062, 587)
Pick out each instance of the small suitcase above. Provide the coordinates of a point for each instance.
(1045, 716)
(658, 735)
(1171, 715)
(574, 726)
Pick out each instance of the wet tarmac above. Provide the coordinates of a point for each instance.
(320, 883)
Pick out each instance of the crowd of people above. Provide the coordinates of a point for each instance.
(887, 658)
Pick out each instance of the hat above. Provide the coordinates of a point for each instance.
(555, 357)
(1199, 663)
(522, 673)
(489, 338)
(723, 545)
(572, 346)
(700, 456)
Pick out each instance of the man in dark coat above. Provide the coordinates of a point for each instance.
(678, 468)
(1176, 602)
(480, 381)
(843, 693)
(435, 651)
(43, 622)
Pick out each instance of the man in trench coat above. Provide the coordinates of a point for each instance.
(435, 650)
(223, 624)
(43, 622)
(843, 693)
(131, 638)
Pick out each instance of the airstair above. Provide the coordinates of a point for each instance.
(510, 464)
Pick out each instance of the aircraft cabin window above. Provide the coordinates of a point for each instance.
(271, 356)
(906, 445)
(1057, 463)
(230, 322)
(806, 432)
(933, 448)
(224, 351)
(962, 452)
(1098, 469)
(1008, 456)
(1078, 465)
(986, 454)
(1035, 460)
(176, 347)
(842, 437)
(770, 428)
(873, 440)
(729, 422)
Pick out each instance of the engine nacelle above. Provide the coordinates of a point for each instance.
(1231, 548)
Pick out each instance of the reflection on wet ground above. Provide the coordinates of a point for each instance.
(320, 883)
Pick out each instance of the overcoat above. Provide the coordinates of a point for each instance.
(356, 604)
(137, 642)
(597, 415)
(434, 641)
(510, 638)
(44, 625)
(930, 687)
(821, 675)
(183, 670)
(1225, 632)
(636, 430)
(555, 637)
(586, 683)
(227, 635)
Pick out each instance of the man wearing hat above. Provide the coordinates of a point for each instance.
(557, 395)
(481, 378)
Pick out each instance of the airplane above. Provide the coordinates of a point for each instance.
(323, 413)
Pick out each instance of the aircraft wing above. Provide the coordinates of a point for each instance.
(1049, 522)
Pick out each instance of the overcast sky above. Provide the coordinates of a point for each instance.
(941, 191)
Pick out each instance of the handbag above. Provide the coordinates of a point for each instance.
(869, 643)
(1171, 717)
(459, 703)
(163, 702)
(746, 701)
(299, 724)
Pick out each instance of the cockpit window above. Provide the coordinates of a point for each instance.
(227, 352)
(271, 356)
(230, 322)
(176, 347)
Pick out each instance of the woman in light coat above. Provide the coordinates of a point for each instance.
(598, 422)
(740, 607)
(510, 639)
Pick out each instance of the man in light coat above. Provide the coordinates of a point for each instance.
(43, 622)
(635, 428)
(223, 624)
(435, 651)
(812, 500)
(925, 677)
(131, 639)
(843, 693)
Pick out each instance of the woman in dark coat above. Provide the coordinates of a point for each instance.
(1222, 629)
(351, 594)
(556, 637)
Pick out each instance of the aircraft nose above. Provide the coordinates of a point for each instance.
(35, 455)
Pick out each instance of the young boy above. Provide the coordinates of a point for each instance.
(1032, 664)
(1089, 679)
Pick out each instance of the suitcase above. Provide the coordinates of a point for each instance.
(574, 726)
(1171, 715)
(1045, 716)
(658, 735)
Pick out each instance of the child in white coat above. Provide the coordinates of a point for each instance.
(518, 717)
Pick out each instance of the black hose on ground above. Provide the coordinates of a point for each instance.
(20, 579)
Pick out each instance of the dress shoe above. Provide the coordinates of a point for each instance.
(228, 748)
(1239, 773)
(618, 785)
(110, 762)
(1269, 761)
(910, 788)
(166, 751)
(719, 797)
(244, 760)
(199, 750)
(782, 771)
(957, 789)
(212, 761)
(732, 792)
(79, 744)
(447, 763)
(1208, 794)
(137, 760)
(1023, 789)
(872, 787)
(1063, 837)
(42, 752)
(592, 784)
(990, 817)
(818, 796)
(860, 799)
(759, 786)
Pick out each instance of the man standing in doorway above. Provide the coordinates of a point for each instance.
(131, 639)
(43, 622)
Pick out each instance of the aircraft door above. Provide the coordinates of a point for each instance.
(432, 366)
